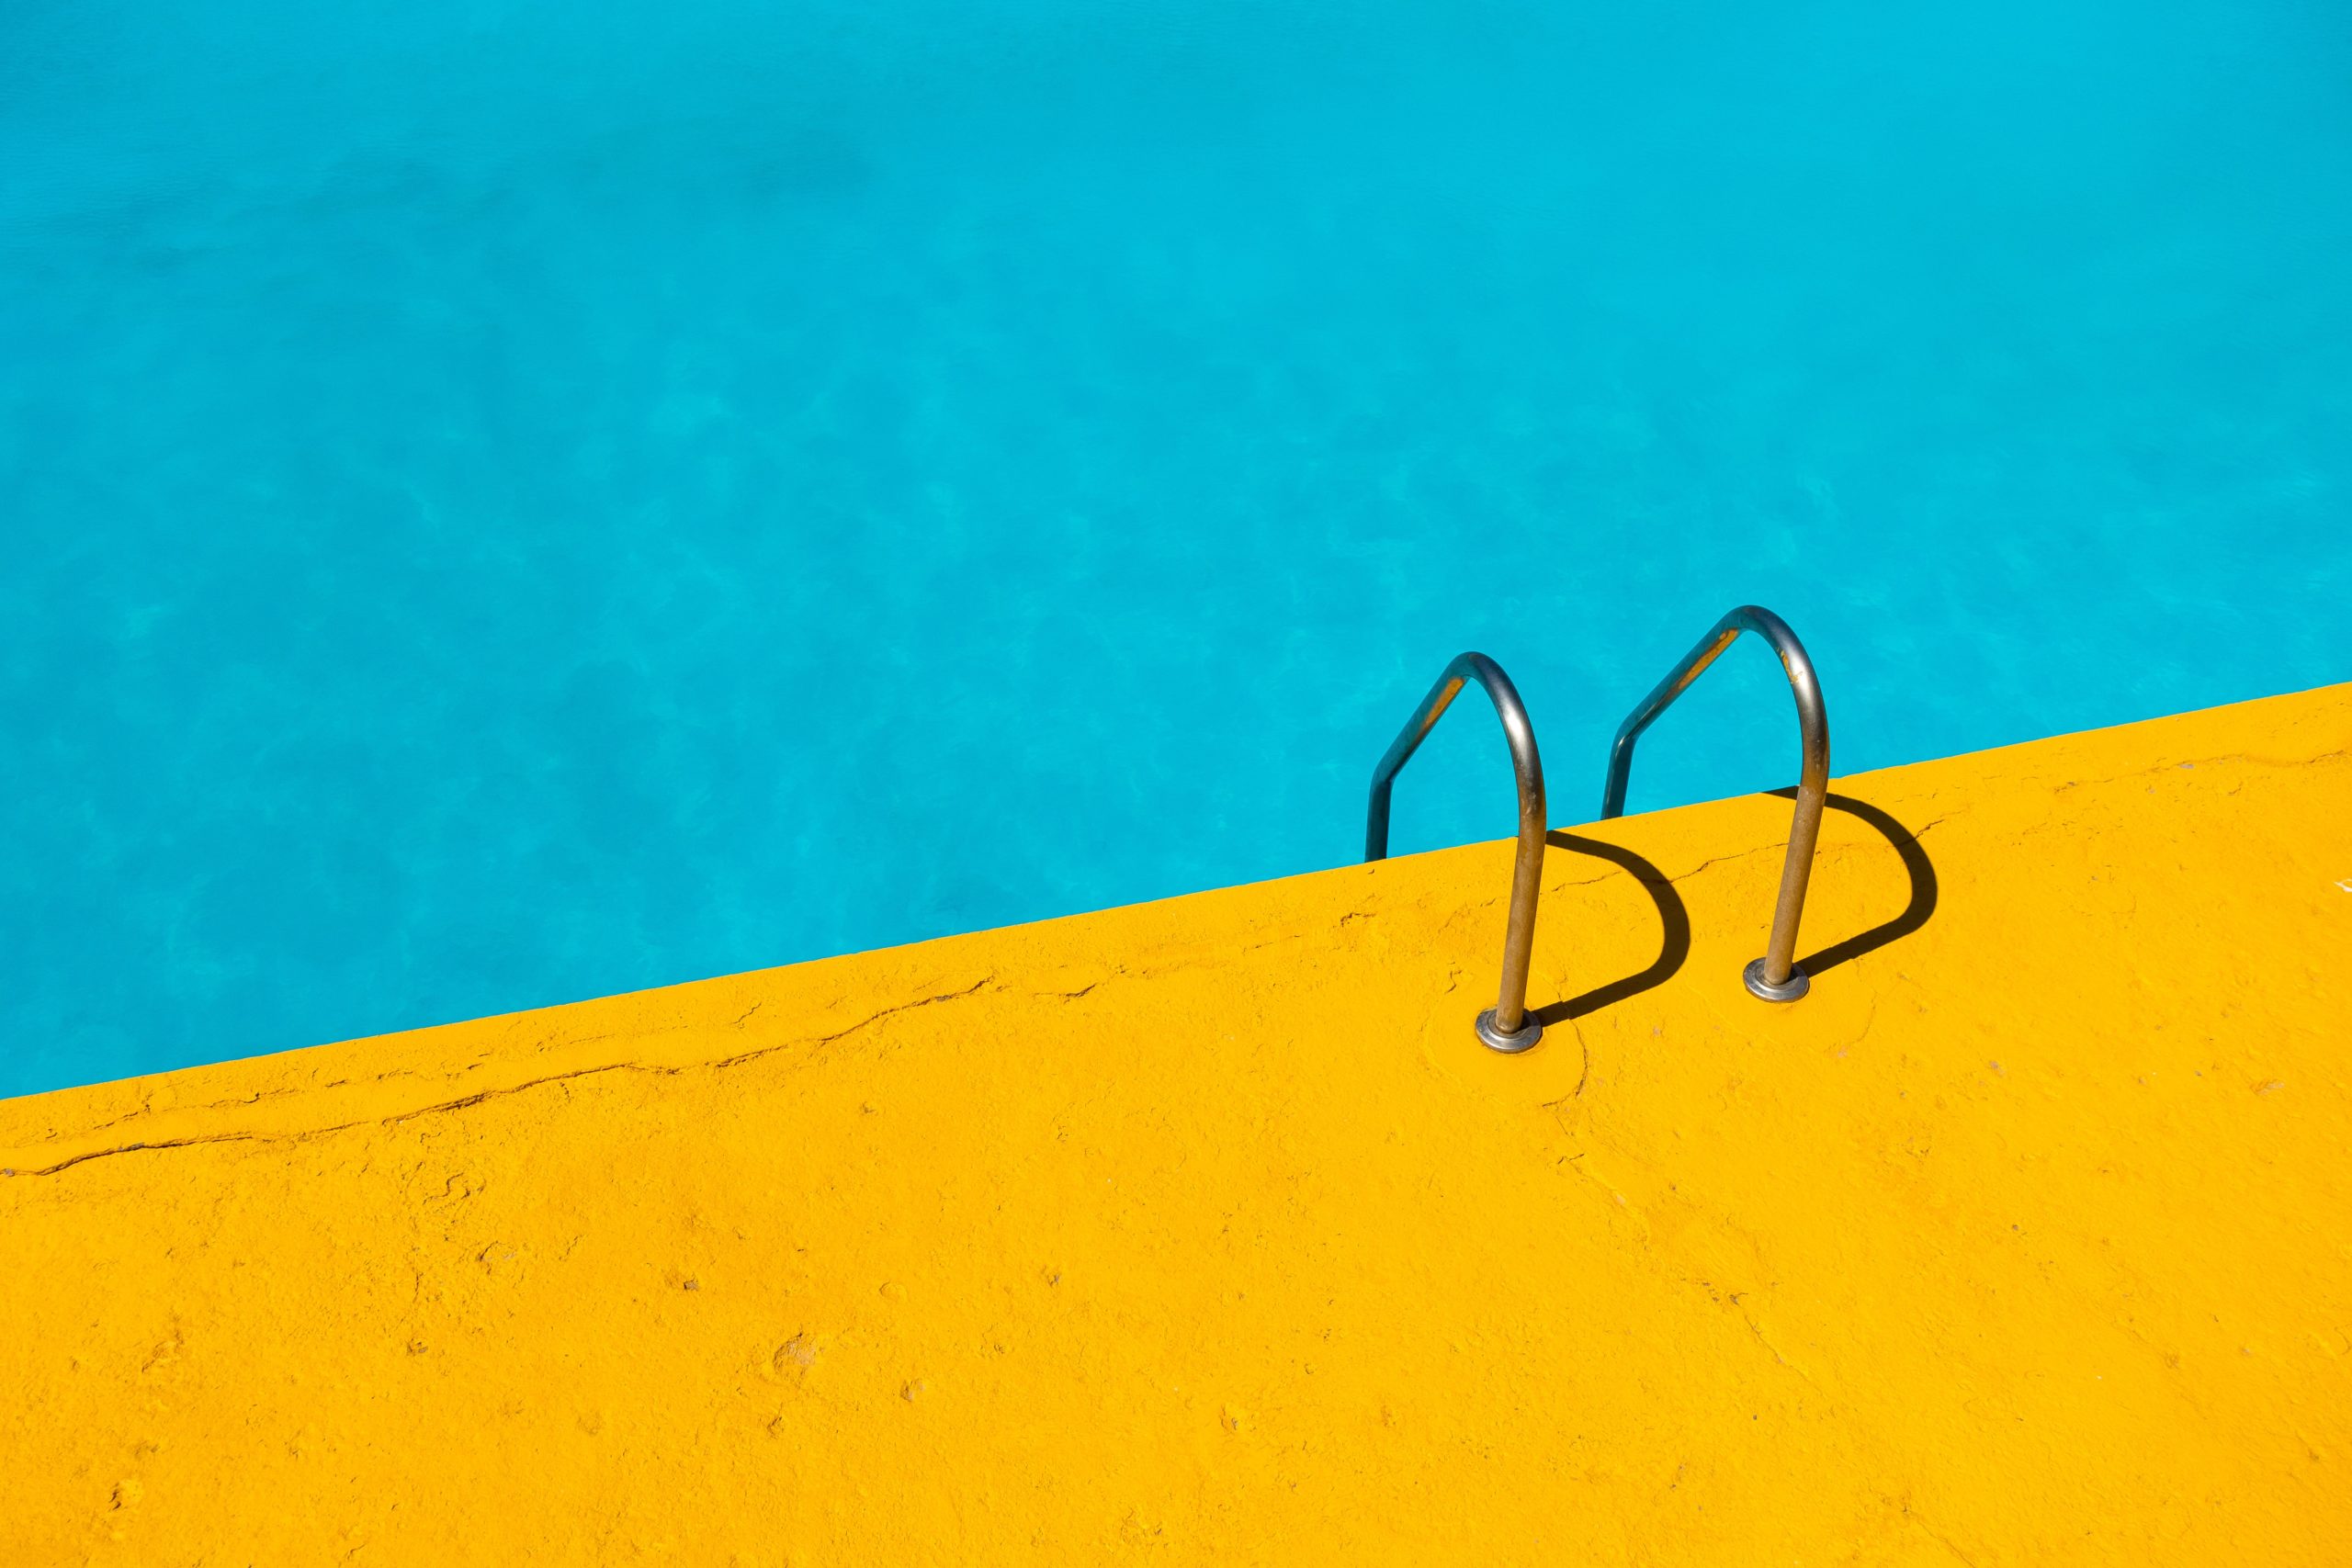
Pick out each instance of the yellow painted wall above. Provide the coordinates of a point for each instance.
(1204, 1230)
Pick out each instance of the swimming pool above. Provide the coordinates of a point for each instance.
(507, 502)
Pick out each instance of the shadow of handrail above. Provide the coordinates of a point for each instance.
(1674, 922)
(1921, 870)
(1674, 916)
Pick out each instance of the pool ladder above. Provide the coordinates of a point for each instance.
(1775, 978)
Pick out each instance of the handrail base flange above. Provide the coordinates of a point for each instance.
(1788, 990)
(1492, 1035)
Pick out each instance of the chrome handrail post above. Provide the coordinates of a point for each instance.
(1505, 1026)
(1775, 977)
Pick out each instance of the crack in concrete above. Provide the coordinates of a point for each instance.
(159, 1143)
(2194, 762)
(1757, 1328)
(1936, 1535)
(468, 1101)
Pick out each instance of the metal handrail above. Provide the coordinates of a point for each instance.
(1775, 977)
(1505, 1026)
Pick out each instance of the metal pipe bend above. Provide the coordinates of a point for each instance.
(1505, 1026)
(1775, 977)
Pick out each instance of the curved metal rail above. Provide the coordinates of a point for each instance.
(1775, 977)
(1505, 1026)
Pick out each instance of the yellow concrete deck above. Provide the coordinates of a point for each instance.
(1204, 1230)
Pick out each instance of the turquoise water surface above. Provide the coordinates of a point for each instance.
(507, 501)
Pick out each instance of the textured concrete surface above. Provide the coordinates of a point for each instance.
(1204, 1231)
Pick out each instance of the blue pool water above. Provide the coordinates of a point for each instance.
(507, 500)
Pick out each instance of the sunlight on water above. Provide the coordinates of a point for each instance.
(507, 502)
